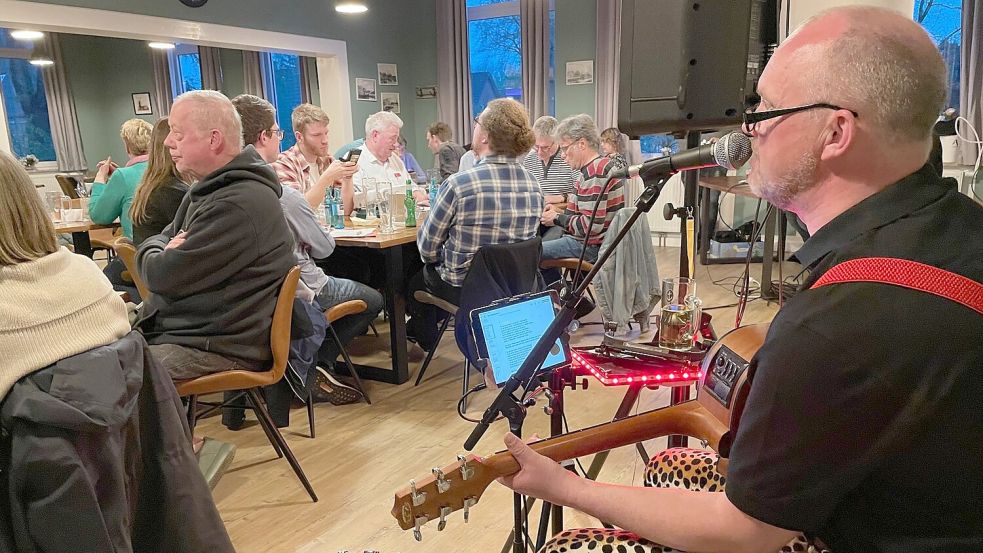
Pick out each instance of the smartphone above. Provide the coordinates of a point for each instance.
(352, 155)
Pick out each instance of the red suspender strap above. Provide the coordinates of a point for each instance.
(907, 274)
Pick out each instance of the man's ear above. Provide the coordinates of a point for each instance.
(838, 135)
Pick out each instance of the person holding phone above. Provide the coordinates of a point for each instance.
(307, 166)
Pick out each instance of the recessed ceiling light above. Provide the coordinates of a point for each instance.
(27, 35)
(42, 62)
(161, 45)
(351, 7)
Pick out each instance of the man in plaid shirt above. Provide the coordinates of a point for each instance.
(495, 202)
(579, 145)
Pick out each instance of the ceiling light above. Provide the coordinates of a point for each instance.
(351, 7)
(161, 45)
(41, 61)
(26, 35)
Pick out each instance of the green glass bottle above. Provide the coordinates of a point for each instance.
(410, 204)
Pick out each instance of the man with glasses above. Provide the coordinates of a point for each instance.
(863, 424)
(555, 176)
(307, 166)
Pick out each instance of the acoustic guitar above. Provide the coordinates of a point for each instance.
(712, 418)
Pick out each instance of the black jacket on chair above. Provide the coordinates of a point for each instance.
(96, 456)
(497, 272)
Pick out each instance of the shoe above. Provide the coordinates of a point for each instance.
(214, 459)
(329, 389)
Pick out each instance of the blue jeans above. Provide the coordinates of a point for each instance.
(568, 246)
(340, 290)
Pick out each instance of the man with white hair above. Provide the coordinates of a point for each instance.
(216, 270)
(380, 159)
(555, 176)
(863, 424)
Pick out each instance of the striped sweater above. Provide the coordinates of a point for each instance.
(590, 185)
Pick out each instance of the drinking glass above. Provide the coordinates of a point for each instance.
(386, 225)
(53, 199)
(367, 197)
(679, 319)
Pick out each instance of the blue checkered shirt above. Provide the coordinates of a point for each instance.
(495, 202)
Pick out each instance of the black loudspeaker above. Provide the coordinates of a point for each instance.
(689, 65)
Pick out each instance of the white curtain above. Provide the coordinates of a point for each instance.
(61, 110)
(971, 77)
(163, 95)
(252, 73)
(608, 55)
(211, 68)
(534, 16)
(453, 69)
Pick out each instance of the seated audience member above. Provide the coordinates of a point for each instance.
(55, 304)
(578, 143)
(446, 153)
(468, 160)
(216, 270)
(380, 159)
(496, 202)
(311, 240)
(160, 192)
(306, 166)
(615, 146)
(858, 431)
(556, 178)
(113, 189)
(416, 173)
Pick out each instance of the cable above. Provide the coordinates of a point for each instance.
(460, 404)
(979, 148)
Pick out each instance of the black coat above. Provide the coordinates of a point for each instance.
(96, 456)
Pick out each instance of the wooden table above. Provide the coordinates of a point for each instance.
(80, 233)
(390, 246)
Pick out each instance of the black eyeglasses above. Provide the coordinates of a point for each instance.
(752, 118)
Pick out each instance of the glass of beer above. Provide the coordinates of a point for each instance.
(679, 319)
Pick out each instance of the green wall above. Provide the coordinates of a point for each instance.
(576, 40)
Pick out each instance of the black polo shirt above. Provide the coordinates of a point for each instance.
(864, 425)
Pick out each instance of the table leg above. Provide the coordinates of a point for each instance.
(83, 246)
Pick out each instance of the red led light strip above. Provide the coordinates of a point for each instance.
(645, 378)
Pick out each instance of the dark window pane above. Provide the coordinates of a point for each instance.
(286, 81)
(190, 72)
(27, 109)
(657, 145)
(496, 60)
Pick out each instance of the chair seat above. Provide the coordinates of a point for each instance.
(570, 263)
(344, 309)
(428, 298)
(225, 381)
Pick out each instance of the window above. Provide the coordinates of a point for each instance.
(943, 20)
(287, 87)
(188, 65)
(24, 101)
(658, 145)
(495, 44)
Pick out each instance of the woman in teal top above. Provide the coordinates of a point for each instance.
(111, 200)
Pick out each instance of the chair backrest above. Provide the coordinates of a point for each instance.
(497, 271)
(68, 184)
(280, 330)
(126, 251)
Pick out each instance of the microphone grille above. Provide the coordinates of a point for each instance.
(732, 151)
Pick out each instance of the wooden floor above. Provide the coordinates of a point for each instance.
(363, 453)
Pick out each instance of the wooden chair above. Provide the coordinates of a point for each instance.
(126, 251)
(249, 382)
(568, 267)
(451, 311)
(70, 185)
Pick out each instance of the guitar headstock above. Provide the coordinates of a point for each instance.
(455, 487)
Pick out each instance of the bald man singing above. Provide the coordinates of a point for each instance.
(863, 425)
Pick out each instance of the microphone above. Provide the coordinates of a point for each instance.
(731, 151)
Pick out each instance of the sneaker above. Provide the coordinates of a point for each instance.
(329, 389)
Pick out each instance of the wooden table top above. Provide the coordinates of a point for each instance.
(734, 185)
(82, 226)
(380, 241)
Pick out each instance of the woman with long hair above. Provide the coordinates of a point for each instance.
(161, 190)
(614, 145)
(48, 295)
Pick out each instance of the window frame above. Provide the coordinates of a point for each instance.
(42, 166)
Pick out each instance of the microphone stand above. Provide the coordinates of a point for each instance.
(506, 403)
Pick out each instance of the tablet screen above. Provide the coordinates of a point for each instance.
(507, 333)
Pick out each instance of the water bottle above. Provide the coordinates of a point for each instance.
(328, 219)
(337, 215)
(410, 204)
(433, 191)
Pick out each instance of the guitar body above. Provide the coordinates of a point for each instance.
(712, 418)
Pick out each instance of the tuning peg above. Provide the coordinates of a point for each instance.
(466, 471)
(417, 497)
(468, 503)
(419, 522)
(442, 483)
(444, 511)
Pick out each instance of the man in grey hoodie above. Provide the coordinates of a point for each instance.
(216, 270)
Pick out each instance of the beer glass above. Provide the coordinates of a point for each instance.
(679, 319)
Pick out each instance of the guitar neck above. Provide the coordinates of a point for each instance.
(688, 418)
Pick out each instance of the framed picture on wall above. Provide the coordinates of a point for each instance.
(141, 104)
(387, 74)
(580, 72)
(426, 92)
(390, 101)
(365, 90)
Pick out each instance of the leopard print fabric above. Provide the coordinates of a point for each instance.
(691, 469)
